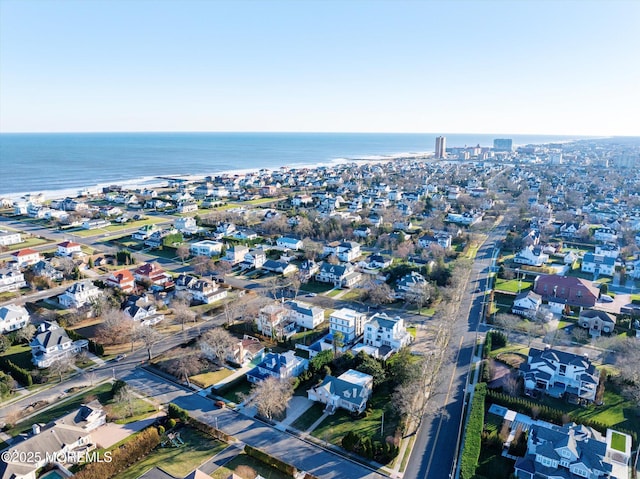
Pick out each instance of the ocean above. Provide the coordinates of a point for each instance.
(64, 163)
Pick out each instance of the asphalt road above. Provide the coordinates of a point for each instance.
(435, 449)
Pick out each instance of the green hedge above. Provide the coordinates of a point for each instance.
(177, 412)
(473, 435)
(21, 375)
(270, 460)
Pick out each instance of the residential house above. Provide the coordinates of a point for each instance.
(246, 350)
(597, 322)
(348, 322)
(570, 451)
(558, 373)
(68, 437)
(570, 258)
(206, 248)
(95, 224)
(280, 366)
(11, 279)
(280, 267)
(122, 279)
(409, 282)
(345, 251)
(273, 320)
(184, 281)
(531, 238)
(186, 225)
(144, 232)
(605, 235)
(386, 334)
(301, 200)
(598, 264)
(362, 231)
(255, 258)
(289, 243)
(51, 342)
(69, 248)
(531, 256)
(187, 206)
(467, 218)
(308, 269)
(245, 234)
(608, 249)
(152, 273)
(304, 314)
(351, 391)
(559, 291)
(8, 238)
(156, 239)
(26, 257)
(45, 269)
(527, 304)
(570, 230)
(206, 292)
(142, 310)
(79, 294)
(378, 261)
(340, 275)
(13, 317)
(235, 254)
(441, 238)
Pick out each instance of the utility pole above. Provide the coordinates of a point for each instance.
(382, 426)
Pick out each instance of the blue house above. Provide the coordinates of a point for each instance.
(280, 366)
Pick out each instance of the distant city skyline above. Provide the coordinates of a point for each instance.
(491, 67)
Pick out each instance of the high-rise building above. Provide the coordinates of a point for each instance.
(441, 147)
(503, 144)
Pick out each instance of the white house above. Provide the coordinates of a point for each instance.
(11, 279)
(531, 255)
(441, 238)
(385, 333)
(304, 314)
(206, 292)
(79, 294)
(186, 225)
(348, 322)
(68, 437)
(8, 238)
(573, 451)
(345, 251)
(235, 254)
(51, 342)
(142, 310)
(608, 249)
(254, 258)
(273, 320)
(144, 232)
(527, 304)
(289, 243)
(13, 317)
(559, 373)
(206, 248)
(26, 257)
(466, 218)
(69, 248)
(605, 234)
(351, 391)
(280, 366)
(340, 275)
(598, 264)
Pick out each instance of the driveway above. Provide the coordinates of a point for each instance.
(111, 433)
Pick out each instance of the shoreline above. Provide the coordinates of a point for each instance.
(159, 181)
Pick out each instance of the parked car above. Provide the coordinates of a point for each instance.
(120, 357)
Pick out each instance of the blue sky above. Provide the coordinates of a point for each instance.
(547, 67)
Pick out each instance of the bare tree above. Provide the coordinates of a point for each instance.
(217, 343)
(26, 334)
(419, 294)
(183, 252)
(126, 397)
(149, 338)
(271, 397)
(508, 322)
(61, 366)
(379, 293)
(115, 327)
(186, 365)
(201, 265)
(182, 313)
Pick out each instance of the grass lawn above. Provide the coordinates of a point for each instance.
(494, 465)
(510, 348)
(310, 416)
(512, 285)
(102, 392)
(352, 295)
(20, 355)
(236, 392)
(241, 464)
(114, 228)
(177, 461)
(28, 243)
(333, 293)
(412, 331)
(333, 428)
(616, 412)
(618, 441)
(140, 409)
(209, 379)
(315, 287)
